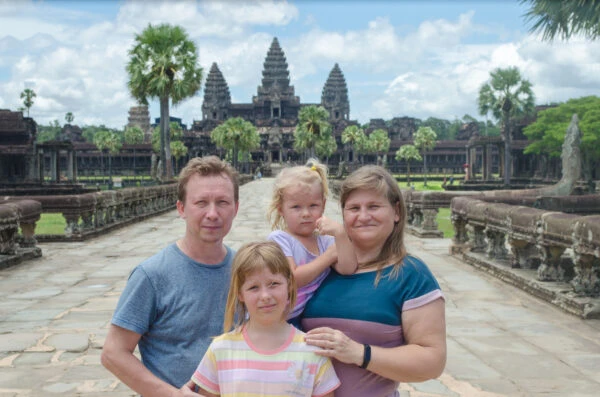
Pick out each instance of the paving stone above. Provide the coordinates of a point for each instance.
(18, 342)
(69, 342)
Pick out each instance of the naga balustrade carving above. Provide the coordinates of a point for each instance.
(558, 246)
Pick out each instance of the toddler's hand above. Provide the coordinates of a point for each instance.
(329, 227)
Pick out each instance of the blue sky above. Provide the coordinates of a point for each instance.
(400, 58)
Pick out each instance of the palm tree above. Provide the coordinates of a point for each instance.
(179, 150)
(325, 148)
(312, 128)
(164, 65)
(507, 96)
(380, 143)
(564, 18)
(107, 140)
(236, 134)
(425, 138)
(27, 95)
(408, 153)
(133, 136)
(351, 136)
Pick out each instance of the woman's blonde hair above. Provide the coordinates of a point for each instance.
(303, 175)
(250, 258)
(377, 179)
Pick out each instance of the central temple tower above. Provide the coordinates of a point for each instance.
(275, 99)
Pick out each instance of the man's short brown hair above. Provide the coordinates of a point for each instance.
(207, 166)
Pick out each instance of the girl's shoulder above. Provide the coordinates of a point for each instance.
(278, 234)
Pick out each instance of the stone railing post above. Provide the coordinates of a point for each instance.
(556, 237)
(9, 227)
(586, 256)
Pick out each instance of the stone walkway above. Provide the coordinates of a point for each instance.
(54, 313)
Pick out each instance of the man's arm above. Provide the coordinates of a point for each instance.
(117, 357)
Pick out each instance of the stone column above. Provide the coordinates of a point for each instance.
(501, 158)
(487, 161)
(31, 168)
(70, 165)
(75, 166)
(472, 159)
(40, 165)
(54, 171)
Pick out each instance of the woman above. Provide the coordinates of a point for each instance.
(384, 324)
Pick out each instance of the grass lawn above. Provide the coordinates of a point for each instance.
(51, 224)
(418, 184)
(443, 217)
(444, 222)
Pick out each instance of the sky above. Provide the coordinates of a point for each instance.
(400, 58)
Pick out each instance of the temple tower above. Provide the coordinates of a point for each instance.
(217, 98)
(276, 98)
(139, 116)
(335, 95)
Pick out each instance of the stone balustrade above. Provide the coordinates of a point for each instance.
(15, 247)
(558, 246)
(89, 214)
(423, 207)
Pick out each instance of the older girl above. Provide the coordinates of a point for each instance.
(263, 355)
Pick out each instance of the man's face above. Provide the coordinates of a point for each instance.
(209, 208)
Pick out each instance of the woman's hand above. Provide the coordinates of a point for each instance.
(336, 344)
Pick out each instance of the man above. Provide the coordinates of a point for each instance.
(174, 302)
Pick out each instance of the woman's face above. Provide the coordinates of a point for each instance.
(369, 219)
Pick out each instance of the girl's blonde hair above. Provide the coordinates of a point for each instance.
(377, 179)
(250, 258)
(302, 175)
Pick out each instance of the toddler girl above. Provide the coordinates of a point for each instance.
(311, 242)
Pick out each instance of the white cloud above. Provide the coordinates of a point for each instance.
(77, 59)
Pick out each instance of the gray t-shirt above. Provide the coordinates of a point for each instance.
(178, 306)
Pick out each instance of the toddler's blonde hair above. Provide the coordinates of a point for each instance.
(303, 175)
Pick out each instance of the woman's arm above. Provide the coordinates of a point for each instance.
(346, 258)
(423, 356)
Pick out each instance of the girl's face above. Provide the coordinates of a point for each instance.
(301, 207)
(265, 296)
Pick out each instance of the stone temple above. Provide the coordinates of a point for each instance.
(273, 110)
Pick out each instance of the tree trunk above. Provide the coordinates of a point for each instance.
(424, 169)
(165, 139)
(235, 156)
